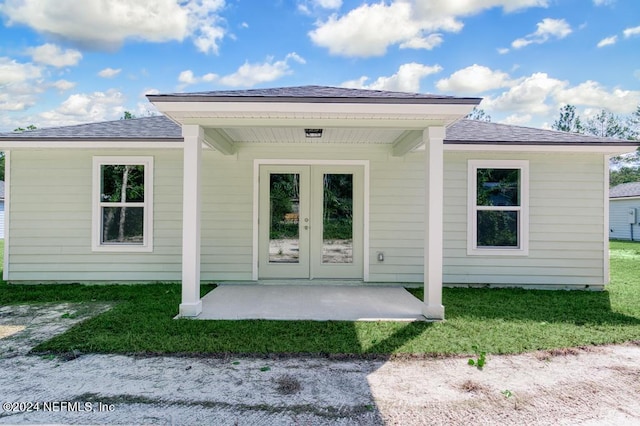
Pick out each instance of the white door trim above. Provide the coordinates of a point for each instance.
(256, 206)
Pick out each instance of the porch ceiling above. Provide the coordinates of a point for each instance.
(297, 135)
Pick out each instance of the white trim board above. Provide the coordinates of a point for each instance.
(96, 222)
(256, 207)
(541, 149)
(523, 225)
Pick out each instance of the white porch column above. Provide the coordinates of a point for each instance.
(191, 305)
(434, 186)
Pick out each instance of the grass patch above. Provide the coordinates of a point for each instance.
(494, 321)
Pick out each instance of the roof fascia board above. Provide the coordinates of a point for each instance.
(252, 108)
(312, 99)
(542, 148)
(633, 197)
(314, 122)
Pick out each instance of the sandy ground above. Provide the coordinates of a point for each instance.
(590, 386)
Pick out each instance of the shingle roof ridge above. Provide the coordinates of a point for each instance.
(629, 189)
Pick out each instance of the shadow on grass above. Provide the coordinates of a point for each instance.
(499, 320)
(577, 307)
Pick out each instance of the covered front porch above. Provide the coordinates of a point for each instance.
(338, 301)
(306, 132)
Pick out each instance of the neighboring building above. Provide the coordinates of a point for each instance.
(624, 212)
(385, 186)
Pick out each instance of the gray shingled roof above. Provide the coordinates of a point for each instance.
(479, 132)
(631, 189)
(462, 132)
(315, 94)
(145, 128)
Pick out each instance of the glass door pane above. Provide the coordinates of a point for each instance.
(337, 218)
(284, 218)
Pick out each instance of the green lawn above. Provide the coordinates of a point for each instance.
(493, 320)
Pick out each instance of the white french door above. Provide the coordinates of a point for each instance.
(311, 222)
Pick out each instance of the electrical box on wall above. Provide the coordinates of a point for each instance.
(632, 216)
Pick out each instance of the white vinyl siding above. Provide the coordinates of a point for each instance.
(619, 226)
(51, 218)
(51, 222)
(566, 223)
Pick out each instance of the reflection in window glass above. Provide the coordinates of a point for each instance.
(497, 228)
(284, 196)
(498, 187)
(498, 204)
(337, 218)
(122, 200)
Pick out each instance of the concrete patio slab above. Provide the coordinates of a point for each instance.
(304, 302)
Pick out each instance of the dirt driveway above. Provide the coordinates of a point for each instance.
(589, 386)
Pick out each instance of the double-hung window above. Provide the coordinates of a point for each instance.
(122, 204)
(498, 202)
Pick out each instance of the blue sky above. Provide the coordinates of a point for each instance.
(73, 61)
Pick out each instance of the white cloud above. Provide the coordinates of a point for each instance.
(428, 43)
(517, 120)
(101, 24)
(187, 78)
(608, 41)
(629, 32)
(50, 54)
(473, 80)
(20, 83)
(529, 95)
(603, 2)
(63, 85)
(503, 50)
(249, 75)
(370, 29)
(547, 29)
(205, 26)
(85, 107)
(14, 72)
(472, 7)
(407, 79)
(593, 94)
(109, 72)
(328, 4)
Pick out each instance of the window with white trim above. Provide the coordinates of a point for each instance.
(122, 204)
(498, 201)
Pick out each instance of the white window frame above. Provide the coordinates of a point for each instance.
(523, 209)
(147, 236)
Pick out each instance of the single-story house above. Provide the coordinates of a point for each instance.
(624, 212)
(315, 184)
